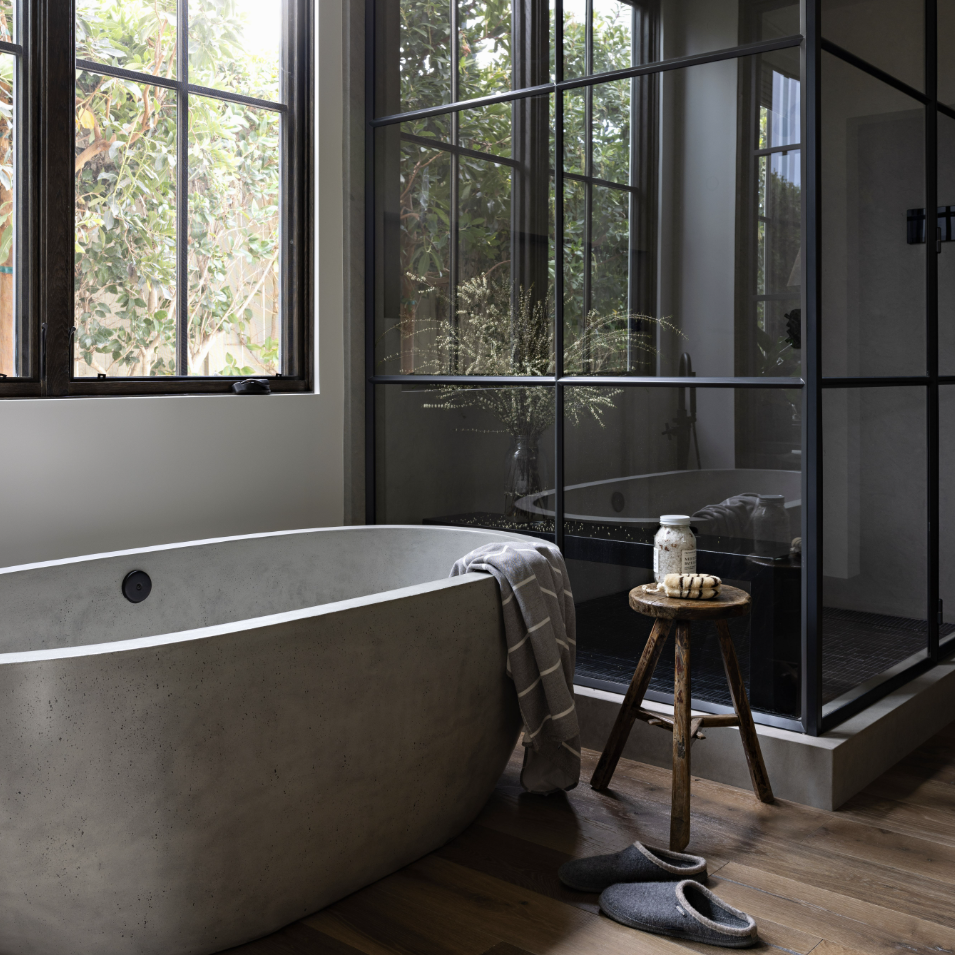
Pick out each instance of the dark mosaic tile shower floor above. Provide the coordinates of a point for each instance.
(856, 646)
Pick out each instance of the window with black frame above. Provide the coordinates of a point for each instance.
(178, 191)
(575, 210)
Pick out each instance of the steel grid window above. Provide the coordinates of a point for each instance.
(583, 128)
(163, 232)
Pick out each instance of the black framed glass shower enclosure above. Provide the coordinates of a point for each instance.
(634, 258)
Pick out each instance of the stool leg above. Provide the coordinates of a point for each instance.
(631, 704)
(680, 811)
(747, 731)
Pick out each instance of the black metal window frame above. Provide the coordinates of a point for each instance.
(815, 719)
(44, 108)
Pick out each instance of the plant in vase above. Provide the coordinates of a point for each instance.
(500, 331)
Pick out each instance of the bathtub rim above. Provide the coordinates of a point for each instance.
(248, 623)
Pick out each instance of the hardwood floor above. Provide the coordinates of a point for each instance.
(875, 878)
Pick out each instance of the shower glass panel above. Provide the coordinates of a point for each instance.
(873, 190)
(465, 456)
(416, 71)
(875, 560)
(464, 282)
(634, 453)
(946, 258)
(661, 173)
(946, 65)
(889, 34)
(651, 32)
(946, 521)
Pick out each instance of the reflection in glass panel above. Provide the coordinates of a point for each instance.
(730, 459)
(465, 283)
(946, 66)
(715, 155)
(946, 551)
(611, 132)
(8, 220)
(946, 260)
(487, 130)
(6, 21)
(624, 34)
(575, 38)
(613, 35)
(886, 33)
(234, 265)
(134, 34)
(415, 72)
(478, 454)
(484, 39)
(576, 104)
(875, 547)
(236, 45)
(873, 173)
(125, 260)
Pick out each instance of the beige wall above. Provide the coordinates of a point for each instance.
(87, 475)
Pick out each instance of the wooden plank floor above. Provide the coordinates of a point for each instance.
(874, 878)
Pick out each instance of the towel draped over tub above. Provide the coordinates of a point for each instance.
(540, 628)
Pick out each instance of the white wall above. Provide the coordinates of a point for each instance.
(86, 475)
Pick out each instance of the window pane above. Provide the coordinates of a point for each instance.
(632, 454)
(873, 173)
(8, 310)
(125, 262)
(236, 45)
(477, 454)
(874, 547)
(946, 261)
(702, 256)
(464, 254)
(134, 34)
(886, 33)
(6, 21)
(234, 239)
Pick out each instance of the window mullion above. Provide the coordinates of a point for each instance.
(182, 189)
(53, 86)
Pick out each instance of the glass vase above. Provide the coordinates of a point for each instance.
(525, 476)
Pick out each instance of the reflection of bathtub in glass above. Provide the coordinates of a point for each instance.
(613, 522)
(640, 499)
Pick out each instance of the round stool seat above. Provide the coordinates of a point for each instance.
(729, 602)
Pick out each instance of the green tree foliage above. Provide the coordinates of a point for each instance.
(126, 201)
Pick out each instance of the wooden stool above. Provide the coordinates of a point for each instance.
(731, 602)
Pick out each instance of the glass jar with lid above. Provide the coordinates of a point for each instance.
(674, 547)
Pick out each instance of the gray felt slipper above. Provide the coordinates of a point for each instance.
(684, 910)
(636, 863)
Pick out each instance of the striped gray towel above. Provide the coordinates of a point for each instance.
(540, 628)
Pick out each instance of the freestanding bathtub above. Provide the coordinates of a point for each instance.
(286, 718)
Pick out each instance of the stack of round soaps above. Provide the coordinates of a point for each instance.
(691, 586)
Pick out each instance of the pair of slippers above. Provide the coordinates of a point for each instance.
(659, 891)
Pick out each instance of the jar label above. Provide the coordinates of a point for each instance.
(656, 560)
(689, 562)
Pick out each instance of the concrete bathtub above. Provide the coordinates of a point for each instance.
(286, 718)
